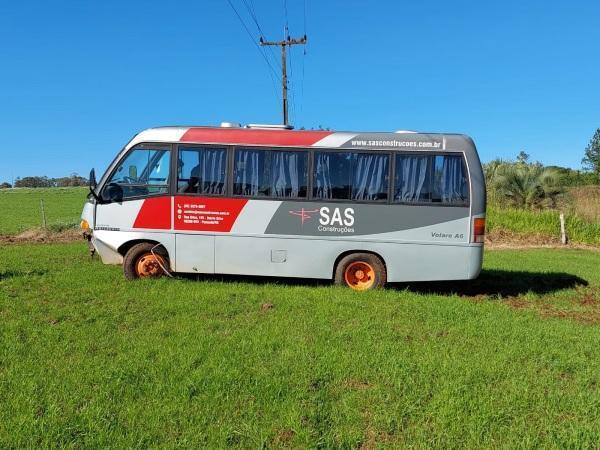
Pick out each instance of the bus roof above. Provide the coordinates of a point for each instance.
(259, 135)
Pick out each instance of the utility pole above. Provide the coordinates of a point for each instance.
(283, 44)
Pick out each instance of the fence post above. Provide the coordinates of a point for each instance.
(563, 234)
(43, 213)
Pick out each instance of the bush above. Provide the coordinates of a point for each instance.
(523, 185)
(583, 201)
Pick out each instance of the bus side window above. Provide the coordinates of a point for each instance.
(288, 171)
(332, 175)
(412, 179)
(250, 173)
(351, 176)
(450, 180)
(143, 172)
(270, 173)
(370, 177)
(430, 179)
(201, 170)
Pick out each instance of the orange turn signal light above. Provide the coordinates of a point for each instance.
(85, 226)
(478, 230)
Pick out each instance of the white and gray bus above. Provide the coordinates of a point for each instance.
(358, 208)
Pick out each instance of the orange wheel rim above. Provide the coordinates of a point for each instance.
(359, 275)
(149, 266)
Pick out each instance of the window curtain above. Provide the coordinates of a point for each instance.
(411, 177)
(212, 171)
(284, 174)
(247, 175)
(322, 188)
(452, 180)
(370, 177)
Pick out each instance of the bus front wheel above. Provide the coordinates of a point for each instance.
(360, 271)
(145, 260)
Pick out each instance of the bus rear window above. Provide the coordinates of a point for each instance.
(431, 179)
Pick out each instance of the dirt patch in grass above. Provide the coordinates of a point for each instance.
(283, 439)
(476, 298)
(42, 236)
(357, 385)
(587, 298)
(374, 439)
(517, 303)
(586, 317)
(504, 239)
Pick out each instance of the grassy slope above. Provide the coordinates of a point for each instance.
(20, 208)
(543, 222)
(87, 359)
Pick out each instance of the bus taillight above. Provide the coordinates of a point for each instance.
(478, 230)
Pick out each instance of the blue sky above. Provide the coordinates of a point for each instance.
(79, 78)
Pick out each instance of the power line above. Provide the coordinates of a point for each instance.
(250, 36)
(252, 11)
(272, 72)
(286, 42)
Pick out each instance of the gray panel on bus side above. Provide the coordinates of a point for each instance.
(253, 255)
(356, 219)
(415, 262)
(195, 253)
(315, 258)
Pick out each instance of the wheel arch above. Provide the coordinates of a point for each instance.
(126, 246)
(349, 252)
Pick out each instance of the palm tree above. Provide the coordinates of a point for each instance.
(490, 168)
(527, 185)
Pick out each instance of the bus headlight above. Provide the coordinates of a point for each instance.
(85, 226)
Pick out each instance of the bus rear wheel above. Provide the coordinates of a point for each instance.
(360, 271)
(145, 260)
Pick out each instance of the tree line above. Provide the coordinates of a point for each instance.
(45, 182)
(523, 184)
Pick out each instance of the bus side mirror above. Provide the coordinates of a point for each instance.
(92, 179)
(93, 184)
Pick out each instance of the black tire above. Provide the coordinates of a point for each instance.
(376, 280)
(137, 252)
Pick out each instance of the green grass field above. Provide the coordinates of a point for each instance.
(89, 360)
(20, 208)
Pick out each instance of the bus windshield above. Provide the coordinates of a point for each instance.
(144, 171)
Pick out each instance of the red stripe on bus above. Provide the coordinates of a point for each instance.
(155, 213)
(206, 213)
(249, 136)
